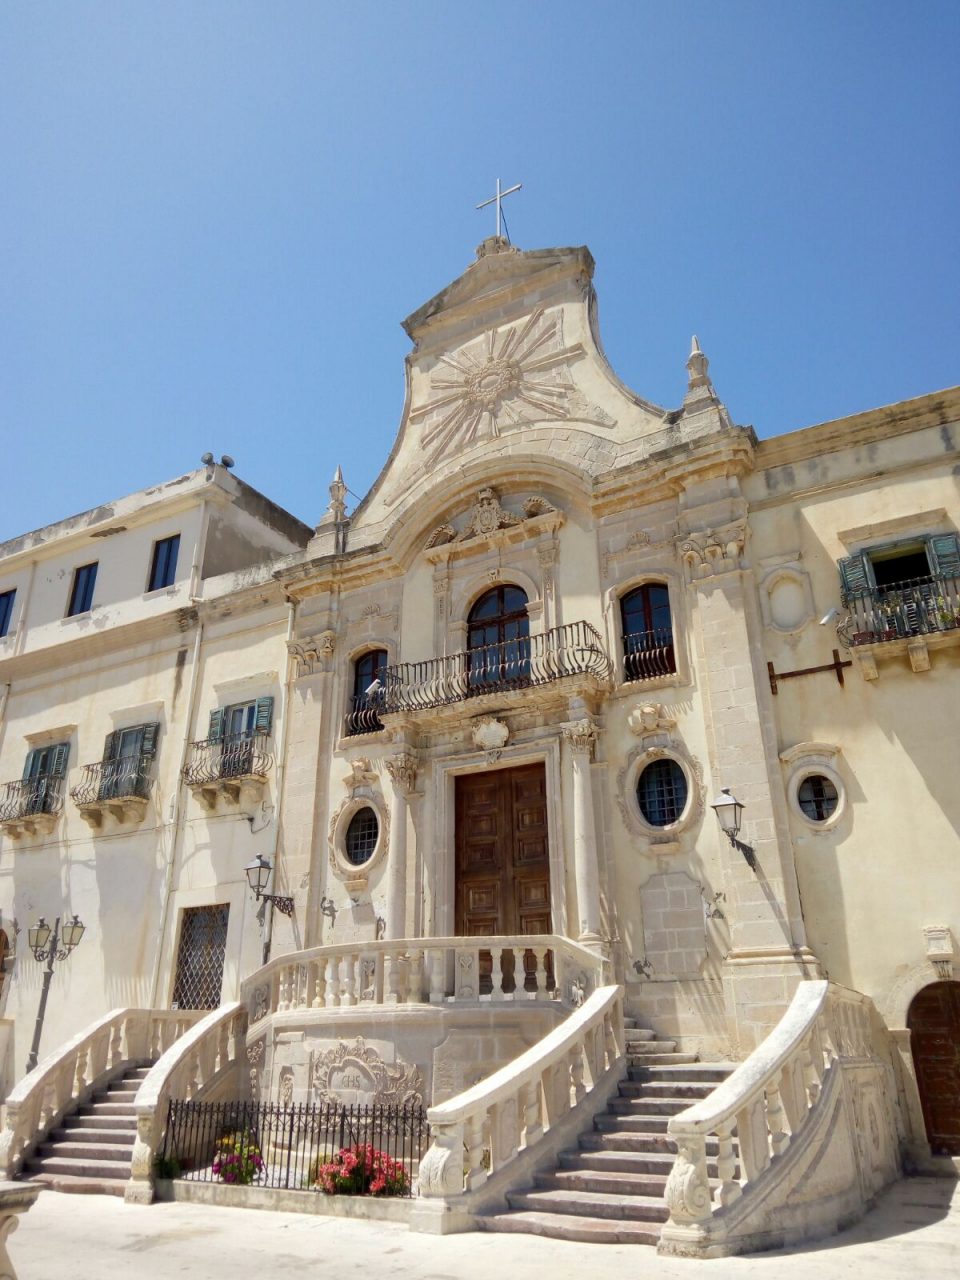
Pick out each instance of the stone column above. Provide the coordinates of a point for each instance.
(580, 738)
(403, 773)
(768, 955)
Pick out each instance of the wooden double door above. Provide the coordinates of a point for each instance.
(934, 1022)
(502, 859)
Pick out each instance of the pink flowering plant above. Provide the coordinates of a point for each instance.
(361, 1170)
(237, 1159)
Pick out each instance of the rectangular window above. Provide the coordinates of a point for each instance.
(81, 597)
(164, 567)
(43, 775)
(6, 611)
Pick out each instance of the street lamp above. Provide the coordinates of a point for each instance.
(259, 872)
(729, 813)
(47, 946)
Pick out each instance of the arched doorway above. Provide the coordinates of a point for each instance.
(934, 1022)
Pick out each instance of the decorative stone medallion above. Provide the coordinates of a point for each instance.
(355, 1074)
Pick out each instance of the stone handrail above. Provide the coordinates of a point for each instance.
(66, 1078)
(513, 1108)
(191, 1067)
(425, 971)
(777, 1102)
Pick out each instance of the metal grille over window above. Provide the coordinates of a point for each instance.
(362, 836)
(203, 944)
(817, 797)
(662, 792)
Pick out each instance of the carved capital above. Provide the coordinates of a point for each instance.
(403, 771)
(582, 736)
(313, 653)
(713, 551)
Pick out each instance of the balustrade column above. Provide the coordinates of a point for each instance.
(581, 738)
(403, 773)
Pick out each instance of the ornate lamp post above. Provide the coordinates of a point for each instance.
(47, 946)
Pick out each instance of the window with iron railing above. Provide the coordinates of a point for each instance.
(124, 771)
(367, 698)
(237, 744)
(40, 790)
(902, 589)
(647, 629)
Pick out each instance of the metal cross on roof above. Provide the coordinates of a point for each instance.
(496, 200)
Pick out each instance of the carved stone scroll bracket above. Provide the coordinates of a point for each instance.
(313, 653)
(940, 949)
(713, 551)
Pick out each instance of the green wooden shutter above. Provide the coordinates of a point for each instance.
(264, 715)
(110, 746)
(855, 575)
(58, 760)
(148, 741)
(945, 555)
(28, 763)
(216, 724)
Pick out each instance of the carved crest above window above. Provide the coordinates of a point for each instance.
(488, 516)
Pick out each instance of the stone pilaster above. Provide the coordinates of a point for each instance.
(768, 954)
(581, 738)
(403, 774)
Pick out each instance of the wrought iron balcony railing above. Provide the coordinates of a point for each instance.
(922, 606)
(364, 714)
(30, 797)
(236, 756)
(126, 778)
(574, 649)
(648, 654)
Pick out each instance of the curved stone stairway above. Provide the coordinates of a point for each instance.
(92, 1148)
(611, 1189)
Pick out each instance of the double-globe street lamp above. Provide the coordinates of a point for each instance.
(47, 946)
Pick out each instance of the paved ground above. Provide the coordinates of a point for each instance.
(914, 1232)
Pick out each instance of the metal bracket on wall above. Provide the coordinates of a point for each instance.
(836, 666)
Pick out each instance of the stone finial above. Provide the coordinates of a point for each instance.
(336, 513)
(697, 366)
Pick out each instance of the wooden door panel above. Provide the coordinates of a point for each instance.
(502, 860)
(934, 1022)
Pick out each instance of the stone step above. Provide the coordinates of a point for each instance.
(620, 1139)
(635, 1033)
(109, 1109)
(650, 1046)
(716, 1072)
(117, 1093)
(691, 1089)
(85, 1168)
(83, 1186)
(591, 1204)
(83, 1119)
(91, 1133)
(567, 1226)
(640, 1106)
(618, 1160)
(96, 1151)
(644, 1059)
(603, 1183)
(628, 1121)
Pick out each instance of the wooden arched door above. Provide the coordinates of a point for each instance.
(934, 1022)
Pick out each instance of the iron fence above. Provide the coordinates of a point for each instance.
(364, 714)
(236, 755)
(30, 796)
(282, 1147)
(125, 778)
(919, 607)
(648, 654)
(573, 649)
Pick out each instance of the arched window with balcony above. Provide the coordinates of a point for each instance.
(498, 641)
(647, 632)
(367, 698)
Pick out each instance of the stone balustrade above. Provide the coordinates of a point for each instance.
(67, 1078)
(793, 1115)
(425, 971)
(484, 1129)
(194, 1067)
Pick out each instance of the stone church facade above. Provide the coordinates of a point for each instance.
(501, 699)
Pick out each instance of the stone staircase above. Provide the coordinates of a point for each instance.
(611, 1190)
(91, 1150)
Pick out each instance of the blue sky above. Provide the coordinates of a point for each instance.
(215, 215)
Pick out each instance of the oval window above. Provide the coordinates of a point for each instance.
(361, 838)
(817, 797)
(662, 792)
